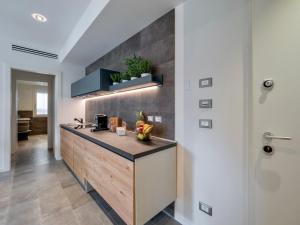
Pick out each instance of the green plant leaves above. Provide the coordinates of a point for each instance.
(125, 76)
(116, 77)
(137, 65)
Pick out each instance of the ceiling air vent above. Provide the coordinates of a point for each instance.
(33, 51)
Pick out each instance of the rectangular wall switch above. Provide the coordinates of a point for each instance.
(150, 118)
(205, 208)
(205, 123)
(205, 103)
(158, 119)
(205, 82)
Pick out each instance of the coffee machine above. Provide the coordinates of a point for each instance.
(100, 123)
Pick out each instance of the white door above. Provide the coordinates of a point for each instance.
(275, 186)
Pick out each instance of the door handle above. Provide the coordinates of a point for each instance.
(269, 135)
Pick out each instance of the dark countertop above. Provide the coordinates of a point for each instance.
(126, 146)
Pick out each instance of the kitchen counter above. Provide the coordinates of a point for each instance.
(126, 146)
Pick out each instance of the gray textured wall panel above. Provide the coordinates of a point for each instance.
(157, 43)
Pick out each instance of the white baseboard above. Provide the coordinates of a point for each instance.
(181, 219)
(58, 157)
(4, 170)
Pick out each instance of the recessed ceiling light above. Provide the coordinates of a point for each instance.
(39, 18)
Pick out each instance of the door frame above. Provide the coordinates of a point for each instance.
(18, 75)
(7, 144)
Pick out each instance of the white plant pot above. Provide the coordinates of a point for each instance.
(145, 74)
(133, 78)
(123, 81)
(114, 83)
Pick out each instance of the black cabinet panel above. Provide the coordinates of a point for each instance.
(99, 80)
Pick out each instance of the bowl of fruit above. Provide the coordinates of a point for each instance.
(143, 129)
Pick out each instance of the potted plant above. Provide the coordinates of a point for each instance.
(125, 77)
(145, 67)
(133, 67)
(137, 67)
(116, 78)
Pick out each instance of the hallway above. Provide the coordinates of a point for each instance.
(41, 191)
(33, 152)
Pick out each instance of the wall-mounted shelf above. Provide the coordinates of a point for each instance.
(139, 83)
(142, 82)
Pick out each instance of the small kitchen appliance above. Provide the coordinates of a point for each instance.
(100, 123)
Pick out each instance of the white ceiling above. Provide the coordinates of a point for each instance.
(17, 25)
(79, 31)
(118, 21)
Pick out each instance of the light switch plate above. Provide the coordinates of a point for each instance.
(205, 123)
(205, 82)
(150, 118)
(205, 103)
(158, 119)
(205, 208)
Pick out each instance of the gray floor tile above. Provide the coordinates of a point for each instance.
(42, 191)
(24, 192)
(25, 213)
(76, 195)
(91, 214)
(64, 216)
(53, 200)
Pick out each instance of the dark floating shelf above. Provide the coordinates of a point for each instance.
(142, 82)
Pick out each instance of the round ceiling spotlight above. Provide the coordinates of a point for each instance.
(39, 18)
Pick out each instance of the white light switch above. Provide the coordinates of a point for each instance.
(150, 118)
(205, 123)
(205, 103)
(158, 119)
(206, 82)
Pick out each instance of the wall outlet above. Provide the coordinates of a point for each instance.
(205, 208)
(158, 119)
(150, 118)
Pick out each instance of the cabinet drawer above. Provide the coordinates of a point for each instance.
(113, 178)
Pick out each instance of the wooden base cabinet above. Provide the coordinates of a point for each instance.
(66, 146)
(79, 163)
(112, 176)
(137, 190)
(155, 184)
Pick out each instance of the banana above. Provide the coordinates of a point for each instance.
(147, 129)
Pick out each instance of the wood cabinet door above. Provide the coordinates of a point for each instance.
(66, 147)
(112, 176)
(79, 158)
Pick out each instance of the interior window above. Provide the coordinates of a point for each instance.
(41, 103)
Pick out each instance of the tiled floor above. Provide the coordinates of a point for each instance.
(41, 191)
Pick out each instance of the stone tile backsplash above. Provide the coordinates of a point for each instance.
(157, 43)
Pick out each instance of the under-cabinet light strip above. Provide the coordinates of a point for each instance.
(122, 92)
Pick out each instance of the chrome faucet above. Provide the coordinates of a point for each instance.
(80, 120)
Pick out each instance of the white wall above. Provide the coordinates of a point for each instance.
(212, 40)
(65, 75)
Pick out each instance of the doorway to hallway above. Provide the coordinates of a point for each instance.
(32, 119)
